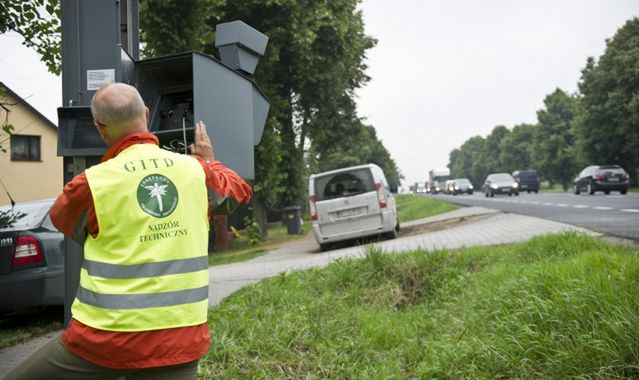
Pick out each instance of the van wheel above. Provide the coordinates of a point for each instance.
(486, 194)
(324, 247)
(575, 189)
(623, 192)
(590, 190)
(392, 234)
(397, 228)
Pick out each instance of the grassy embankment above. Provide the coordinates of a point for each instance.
(554, 307)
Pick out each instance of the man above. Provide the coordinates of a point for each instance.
(142, 215)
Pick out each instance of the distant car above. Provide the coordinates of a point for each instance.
(461, 186)
(31, 257)
(351, 203)
(604, 178)
(437, 187)
(449, 187)
(500, 183)
(528, 180)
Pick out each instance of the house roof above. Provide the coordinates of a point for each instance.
(29, 106)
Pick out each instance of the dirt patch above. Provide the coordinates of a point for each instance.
(440, 225)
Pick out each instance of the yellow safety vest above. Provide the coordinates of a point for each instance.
(147, 269)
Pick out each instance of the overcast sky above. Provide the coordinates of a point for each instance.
(442, 71)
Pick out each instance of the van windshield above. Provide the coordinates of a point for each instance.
(344, 184)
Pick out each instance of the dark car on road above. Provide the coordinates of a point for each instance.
(31, 257)
(461, 186)
(500, 183)
(604, 178)
(528, 180)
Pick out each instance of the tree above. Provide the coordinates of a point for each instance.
(38, 22)
(554, 152)
(492, 148)
(468, 161)
(516, 148)
(608, 126)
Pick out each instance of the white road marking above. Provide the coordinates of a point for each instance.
(602, 208)
(562, 205)
(580, 206)
(629, 210)
(548, 204)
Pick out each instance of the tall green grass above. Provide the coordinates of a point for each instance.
(561, 306)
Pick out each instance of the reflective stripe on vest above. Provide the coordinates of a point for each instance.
(142, 301)
(148, 267)
(98, 269)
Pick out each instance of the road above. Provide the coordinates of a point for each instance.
(614, 214)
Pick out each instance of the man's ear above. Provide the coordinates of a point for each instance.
(102, 132)
(147, 115)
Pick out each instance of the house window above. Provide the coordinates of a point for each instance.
(25, 148)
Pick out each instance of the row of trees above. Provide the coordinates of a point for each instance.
(597, 125)
(313, 64)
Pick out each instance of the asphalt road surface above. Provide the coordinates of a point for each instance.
(614, 214)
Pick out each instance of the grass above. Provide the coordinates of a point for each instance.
(413, 207)
(18, 328)
(560, 306)
(240, 250)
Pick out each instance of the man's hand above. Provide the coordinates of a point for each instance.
(202, 146)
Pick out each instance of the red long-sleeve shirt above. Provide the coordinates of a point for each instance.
(74, 212)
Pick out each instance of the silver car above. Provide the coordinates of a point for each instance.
(351, 203)
(31, 259)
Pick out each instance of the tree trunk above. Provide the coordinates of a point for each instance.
(220, 225)
(259, 214)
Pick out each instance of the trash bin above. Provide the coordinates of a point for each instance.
(293, 219)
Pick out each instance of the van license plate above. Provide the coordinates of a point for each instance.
(349, 212)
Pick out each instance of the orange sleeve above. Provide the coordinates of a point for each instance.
(225, 181)
(74, 210)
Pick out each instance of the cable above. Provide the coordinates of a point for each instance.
(13, 203)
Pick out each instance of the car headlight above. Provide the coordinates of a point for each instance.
(515, 185)
(471, 187)
(494, 186)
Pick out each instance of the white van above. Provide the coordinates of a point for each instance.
(351, 203)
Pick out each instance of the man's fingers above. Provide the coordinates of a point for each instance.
(200, 133)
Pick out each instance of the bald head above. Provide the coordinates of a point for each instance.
(118, 110)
